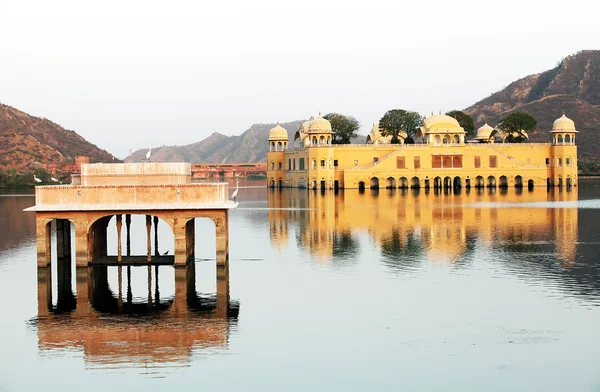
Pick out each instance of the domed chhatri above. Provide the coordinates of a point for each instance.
(278, 138)
(319, 125)
(441, 129)
(375, 136)
(486, 133)
(440, 122)
(278, 133)
(440, 157)
(563, 131)
(563, 124)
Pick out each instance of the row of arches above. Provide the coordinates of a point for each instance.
(445, 182)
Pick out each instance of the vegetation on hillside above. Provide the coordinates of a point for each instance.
(30, 145)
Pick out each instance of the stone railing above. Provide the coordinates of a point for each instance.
(131, 197)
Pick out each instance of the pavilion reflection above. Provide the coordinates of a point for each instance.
(440, 226)
(116, 328)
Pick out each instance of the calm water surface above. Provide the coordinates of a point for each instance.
(372, 291)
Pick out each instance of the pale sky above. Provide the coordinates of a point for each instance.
(124, 74)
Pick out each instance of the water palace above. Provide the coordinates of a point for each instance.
(441, 158)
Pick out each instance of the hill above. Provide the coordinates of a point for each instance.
(31, 145)
(250, 146)
(572, 87)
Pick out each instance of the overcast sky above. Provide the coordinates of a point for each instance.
(127, 74)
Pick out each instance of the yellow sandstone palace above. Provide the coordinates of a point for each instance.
(441, 157)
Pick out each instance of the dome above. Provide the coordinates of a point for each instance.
(438, 121)
(563, 124)
(278, 133)
(484, 132)
(319, 124)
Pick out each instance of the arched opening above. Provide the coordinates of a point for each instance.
(479, 182)
(314, 141)
(530, 184)
(447, 182)
(503, 182)
(518, 182)
(415, 183)
(456, 139)
(491, 182)
(145, 232)
(361, 186)
(568, 138)
(403, 183)
(323, 184)
(568, 181)
(437, 182)
(374, 183)
(272, 183)
(279, 146)
(559, 139)
(280, 183)
(437, 139)
(322, 140)
(457, 183)
(445, 140)
(390, 183)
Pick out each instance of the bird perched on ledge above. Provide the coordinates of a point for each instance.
(237, 188)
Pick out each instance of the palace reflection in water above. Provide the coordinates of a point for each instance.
(113, 327)
(524, 229)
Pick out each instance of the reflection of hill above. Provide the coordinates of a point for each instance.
(535, 232)
(16, 227)
(113, 329)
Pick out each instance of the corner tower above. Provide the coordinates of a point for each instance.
(278, 143)
(564, 153)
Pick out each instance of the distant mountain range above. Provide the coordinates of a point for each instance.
(30, 145)
(250, 146)
(572, 87)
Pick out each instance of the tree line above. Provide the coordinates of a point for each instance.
(396, 121)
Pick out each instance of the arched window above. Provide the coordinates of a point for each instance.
(445, 140)
(559, 139)
(436, 139)
(456, 139)
(567, 138)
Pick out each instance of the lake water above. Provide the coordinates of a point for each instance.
(389, 290)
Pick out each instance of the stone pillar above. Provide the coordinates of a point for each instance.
(43, 233)
(63, 238)
(148, 235)
(190, 238)
(185, 287)
(156, 236)
(65, 300)
(83, 246)
(222, 227)
(128, 229)
(44, 290)
(180, 231)
(119, 242)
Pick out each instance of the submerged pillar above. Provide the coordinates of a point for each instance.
(222, 290)
(222, 228)
(63, 238)
(43, 244)
(148, 236)
(83, 245)
(156, 236)
(119, 242)
(128, 230)
(183, 233)
(83, 279)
